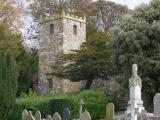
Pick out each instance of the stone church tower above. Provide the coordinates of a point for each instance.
(58, 33)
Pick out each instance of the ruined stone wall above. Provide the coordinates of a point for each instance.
(110, 85)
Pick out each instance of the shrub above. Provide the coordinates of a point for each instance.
(58, 105)
(95, 103)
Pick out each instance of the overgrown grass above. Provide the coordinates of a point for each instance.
(95, 103)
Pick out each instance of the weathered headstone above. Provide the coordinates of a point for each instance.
(37, 115)
(49, 117)
(66, 114)
(30, 116)
(110, 111)
(85, 116)
(24, 115)
(56, 116)
(81, 103)
(156, 102)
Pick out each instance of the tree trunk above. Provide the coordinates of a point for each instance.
(88, 83)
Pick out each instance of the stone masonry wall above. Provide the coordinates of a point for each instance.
(63, 40)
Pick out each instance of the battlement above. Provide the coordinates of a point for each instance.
(74, 17)
(63, 14)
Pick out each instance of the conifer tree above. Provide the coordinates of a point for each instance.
(8, 84)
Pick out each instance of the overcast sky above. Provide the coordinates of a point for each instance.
(130, 3)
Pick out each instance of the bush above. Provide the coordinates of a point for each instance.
(58, 105)
(95, 103)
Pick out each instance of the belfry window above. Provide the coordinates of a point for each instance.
(51, 28)
(75, 29)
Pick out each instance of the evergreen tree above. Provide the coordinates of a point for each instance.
(92, 61)
(28, 71)
(8, 84)
(136, 40)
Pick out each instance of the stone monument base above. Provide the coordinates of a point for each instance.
(137, 104)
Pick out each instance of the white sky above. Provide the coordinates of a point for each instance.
(130, 3)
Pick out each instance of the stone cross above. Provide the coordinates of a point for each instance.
(156, 102)
(85, 116)
(37, 115)
(24, 115)
(56, 116)
(66, 114)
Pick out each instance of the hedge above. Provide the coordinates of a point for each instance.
(95, 103)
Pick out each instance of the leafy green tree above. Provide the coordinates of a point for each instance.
(8, 84)
(10, 42)
(104, 15)
(92, 61)
(136, 40)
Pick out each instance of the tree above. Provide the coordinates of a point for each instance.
(10, 13)
(28, 71)
(49, 7)
(10, 42)
(92, 61)
(105, 14)
(8, 84)
(136, 40)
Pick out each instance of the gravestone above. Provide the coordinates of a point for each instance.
(156, 102)
(85, 116)
(66, 114)
(135, 105)
(56, 116)
(30, 116)
(24, 115)
(37, 115)
(49, 117)
(110, 111)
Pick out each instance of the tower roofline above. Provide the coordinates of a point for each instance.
(63, 14)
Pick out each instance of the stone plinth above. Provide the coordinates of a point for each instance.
(135, 100)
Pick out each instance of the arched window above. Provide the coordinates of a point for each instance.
(75, 29)
(51, 28)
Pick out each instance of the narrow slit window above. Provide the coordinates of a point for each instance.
(50, 83)
(75, 29)
(51, 28)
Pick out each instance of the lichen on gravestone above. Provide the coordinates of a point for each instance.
(56, 116)
(37, 115)
(110, 111)
(24, 114)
